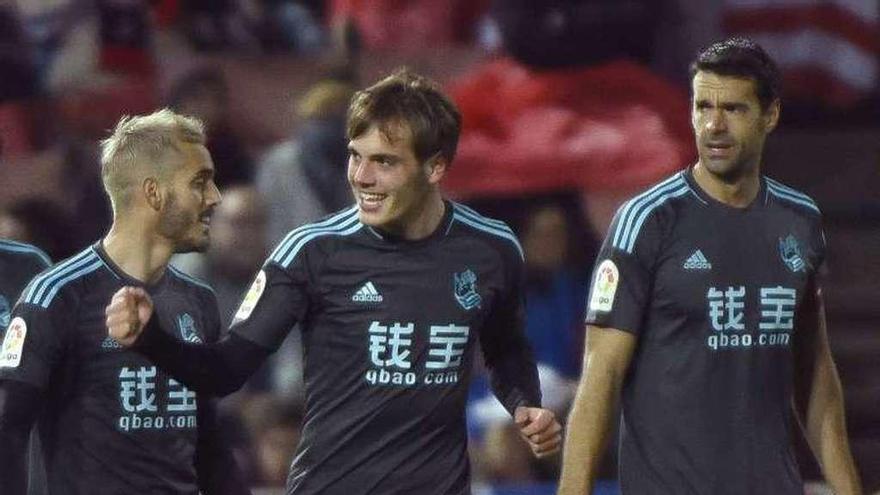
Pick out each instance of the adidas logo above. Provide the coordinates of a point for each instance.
(697, 261)
(367, 294)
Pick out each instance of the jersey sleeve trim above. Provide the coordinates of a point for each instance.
(783, 192)
(497, 228)
(636, 211)
(190, 278)
(345, 223)
(20, 247)
(45, 287)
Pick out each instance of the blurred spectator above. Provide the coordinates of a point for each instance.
(273, 427)
(556, 288)
(238, 248)
(125, 33)
(212, 25)
(287, 25)
(304, 177)
(568, 33)
(204, 93)
(16, 57)
(40, 222)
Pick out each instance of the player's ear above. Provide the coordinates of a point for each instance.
(152, 194)
(435, 168)
(771, 116)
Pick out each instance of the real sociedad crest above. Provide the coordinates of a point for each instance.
(791, 254)
(466, 289)
(188, 329)
(5, 313)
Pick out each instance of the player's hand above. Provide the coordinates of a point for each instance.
(127, 314)
(540, 429)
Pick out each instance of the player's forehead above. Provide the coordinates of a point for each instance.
(194, 159)
(712, 87)
(393, 137)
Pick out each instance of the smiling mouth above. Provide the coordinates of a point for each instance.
(371, 200)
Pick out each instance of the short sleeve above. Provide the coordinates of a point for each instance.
(32, 343)
(622, 277)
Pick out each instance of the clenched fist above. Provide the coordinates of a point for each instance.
(540, 429)
(127, 314)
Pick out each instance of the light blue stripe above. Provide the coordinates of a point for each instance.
(497, 224)
(632, 208)
(289, 259)
(782, 195)
(491, 230)
(285, 255)
(289, 238)
(56, 287)
(790, 190)
(40, 283)
(190, 278)
(792, 194)
(19, 247)
(476, 216)
(647, 211)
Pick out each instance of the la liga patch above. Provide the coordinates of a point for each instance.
(604, 287)
(13, 343)
(251, 298)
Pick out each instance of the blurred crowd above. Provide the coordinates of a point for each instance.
(72, 68)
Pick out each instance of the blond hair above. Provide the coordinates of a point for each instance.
(142, 146)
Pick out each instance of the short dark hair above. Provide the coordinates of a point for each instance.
(408, 98)
(742, 57)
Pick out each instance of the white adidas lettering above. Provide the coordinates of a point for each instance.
(697, 261)
(367, 294)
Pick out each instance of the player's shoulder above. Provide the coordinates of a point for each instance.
(649, 206)
(62, 278)
(495, 232)
(25, 253)
(796, 201)
(340, 224)
(189, 282)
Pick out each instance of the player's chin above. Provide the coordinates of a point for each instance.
(197, 244)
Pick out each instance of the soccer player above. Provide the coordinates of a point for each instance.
(705, 316)
(394, 295)
(108, 420)
(19, 263)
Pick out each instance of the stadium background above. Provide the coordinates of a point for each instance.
(569, 107)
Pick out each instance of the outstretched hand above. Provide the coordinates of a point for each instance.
(127, 314)
(540, 429)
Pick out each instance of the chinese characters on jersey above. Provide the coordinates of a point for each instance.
(390, 353)
(727, 308)
(141, 410)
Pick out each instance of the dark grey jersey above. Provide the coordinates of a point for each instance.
(18, 264)
(712, 293)
(112, 423)
(389, 333)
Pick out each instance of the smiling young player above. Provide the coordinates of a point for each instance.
(394, 297)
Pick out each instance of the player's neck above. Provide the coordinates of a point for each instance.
(738, 193)
(138, 253)
(426, 220)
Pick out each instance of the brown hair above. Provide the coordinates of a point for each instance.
(408, 98)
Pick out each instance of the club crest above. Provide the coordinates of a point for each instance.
(187, 328)
(466, 289)
(791, 254)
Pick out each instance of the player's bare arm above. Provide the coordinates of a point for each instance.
(607, 357)
(822, 399)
